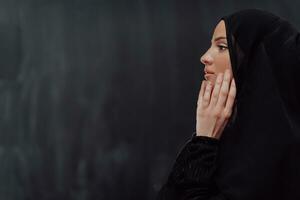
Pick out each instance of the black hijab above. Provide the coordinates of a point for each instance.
(260, 151)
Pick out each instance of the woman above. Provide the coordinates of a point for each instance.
(256, 155)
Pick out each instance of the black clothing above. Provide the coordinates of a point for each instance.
(258, 155)
(192, 173)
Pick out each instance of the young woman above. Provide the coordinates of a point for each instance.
(252, 70)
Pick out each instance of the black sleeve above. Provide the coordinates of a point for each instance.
(191, 177)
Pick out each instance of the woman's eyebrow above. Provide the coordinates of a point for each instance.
(219, 38)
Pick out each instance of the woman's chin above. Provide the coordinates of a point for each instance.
(211, 79)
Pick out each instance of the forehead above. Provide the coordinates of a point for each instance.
(220, 29)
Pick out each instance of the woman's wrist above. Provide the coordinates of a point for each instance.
(201, 136)
(205, 134)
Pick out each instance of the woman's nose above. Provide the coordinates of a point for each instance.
(206, 59)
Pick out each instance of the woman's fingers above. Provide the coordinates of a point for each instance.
(203, 84)
(224, 89)
(231, 97)
(201, 93)
(216, 90)
(206, 96)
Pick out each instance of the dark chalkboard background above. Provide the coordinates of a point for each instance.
(97, 97)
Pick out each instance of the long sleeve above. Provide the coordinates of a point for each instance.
(191, 177)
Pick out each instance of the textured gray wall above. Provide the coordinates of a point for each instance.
(97, 97)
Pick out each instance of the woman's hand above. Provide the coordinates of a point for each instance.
(214, 106)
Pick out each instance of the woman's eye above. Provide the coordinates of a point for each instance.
(222, 48)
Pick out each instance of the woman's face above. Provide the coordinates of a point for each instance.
(216, 59)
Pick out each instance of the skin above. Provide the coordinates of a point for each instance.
(216, 59)
(217, 93)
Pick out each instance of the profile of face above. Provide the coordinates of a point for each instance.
(216, 59)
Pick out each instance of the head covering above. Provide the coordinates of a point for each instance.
(259, 155)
